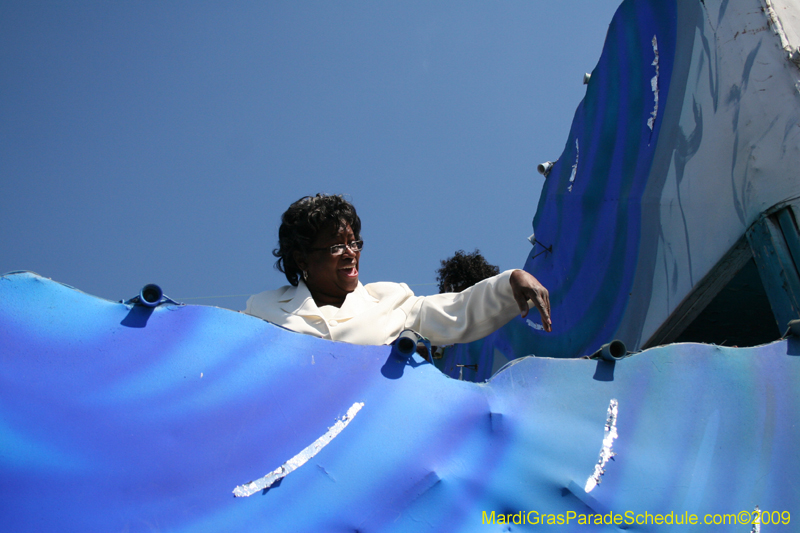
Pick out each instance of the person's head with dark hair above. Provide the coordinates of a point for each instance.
(464, 270)
(320, 241)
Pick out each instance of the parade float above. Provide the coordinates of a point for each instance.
(670, 216)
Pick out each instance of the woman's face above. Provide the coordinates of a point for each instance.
(331, 277)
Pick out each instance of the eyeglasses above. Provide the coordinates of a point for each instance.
(338, 249)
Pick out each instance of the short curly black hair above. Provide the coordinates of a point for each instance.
(464, 270)
(303, 222)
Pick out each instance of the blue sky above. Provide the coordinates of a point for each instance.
(159, 142)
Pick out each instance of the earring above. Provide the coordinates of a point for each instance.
(305, 275)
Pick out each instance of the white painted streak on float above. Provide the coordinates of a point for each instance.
(301, 458)
(654, 86)
(534, 325)
(574, 167)
(756, 521)
(606, 452)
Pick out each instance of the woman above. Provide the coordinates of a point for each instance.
(318, 250)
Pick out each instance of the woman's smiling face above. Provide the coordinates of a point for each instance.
(331, 277)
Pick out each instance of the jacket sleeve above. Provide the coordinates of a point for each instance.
(466, 316)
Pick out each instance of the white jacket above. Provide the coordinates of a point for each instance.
(376, 313)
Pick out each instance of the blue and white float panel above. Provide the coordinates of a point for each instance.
(118, 417)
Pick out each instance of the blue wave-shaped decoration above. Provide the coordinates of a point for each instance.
(121, 418)
(590, 210)
(681, 145)
(589, 220)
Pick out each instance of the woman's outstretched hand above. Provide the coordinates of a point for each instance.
(525, 287)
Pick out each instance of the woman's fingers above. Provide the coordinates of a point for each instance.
(543, 305)
(525, 287)
(541, 300)
(522, 302)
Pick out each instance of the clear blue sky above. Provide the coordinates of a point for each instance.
(161, 141)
